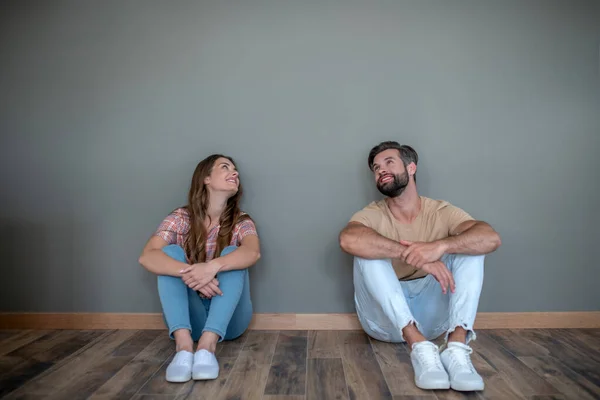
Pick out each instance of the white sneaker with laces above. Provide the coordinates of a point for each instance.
(457, 360)
(180, 368)
(205, 365)
(429, 371)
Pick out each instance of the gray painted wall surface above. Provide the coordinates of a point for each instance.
(107, 106)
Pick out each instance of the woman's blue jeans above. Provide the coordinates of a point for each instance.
(228, 315)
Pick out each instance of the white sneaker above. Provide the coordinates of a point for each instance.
(429, 371)
(180, 369)
(205, 365)
(457, 360)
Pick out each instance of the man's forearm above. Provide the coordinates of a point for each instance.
(364, 242)
(481, 238)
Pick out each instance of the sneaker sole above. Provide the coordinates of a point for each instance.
(202, 376)
(179, 379)
(467, 388)
(433, 386)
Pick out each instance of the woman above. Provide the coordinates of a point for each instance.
(203, 297)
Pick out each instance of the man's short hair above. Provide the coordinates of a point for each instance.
(407, 153)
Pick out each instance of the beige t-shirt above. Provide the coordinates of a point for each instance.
(435, 221)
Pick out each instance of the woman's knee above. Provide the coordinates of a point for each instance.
(175, 251)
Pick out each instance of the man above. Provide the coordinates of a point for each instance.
(402, 245)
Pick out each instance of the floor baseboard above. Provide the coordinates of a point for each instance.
(283, 321)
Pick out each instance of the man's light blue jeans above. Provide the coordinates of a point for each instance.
(386, 305)
(228, 315)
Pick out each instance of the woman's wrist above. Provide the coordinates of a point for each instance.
(215, 265)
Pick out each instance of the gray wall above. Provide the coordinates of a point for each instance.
(107, 106)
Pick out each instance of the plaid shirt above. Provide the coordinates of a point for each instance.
(173, 229)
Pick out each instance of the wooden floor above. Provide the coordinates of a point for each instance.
(515, 364)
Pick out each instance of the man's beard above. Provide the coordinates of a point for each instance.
(395, 187)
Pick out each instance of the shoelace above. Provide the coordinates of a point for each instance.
(427, 355)
(459, 357)
(181, 359)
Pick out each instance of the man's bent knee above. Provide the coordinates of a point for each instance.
(465, 261)
(363, 263)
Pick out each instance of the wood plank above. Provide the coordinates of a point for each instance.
(56, 345)
(513, 341)
(8, 333)
(283, 397)
(37, 357)
(287, 375)
(46, 347)
(106, 365)
(496, 386)
(592, 336)
(210, 389)
(453, 395)
(250, 372)
(570, 356)
(326, 379)
(21, 392)
(21, 339)
(11, 360)
(247, 379)
(409, 397)
(8, 363)
(231, 348)
(227, 354)
(516, 374)
(158, 385)
(394, 360)
(152, 397)
(551, 356)
(563, 378)
(127, 381)
(323, 344)
(24, 396)
(396, 366)
(363, 374)
(136, 343)
(77, 367)
(18, 376)
(579, 341)
(283, 321)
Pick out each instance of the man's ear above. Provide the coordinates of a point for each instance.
(411, 169)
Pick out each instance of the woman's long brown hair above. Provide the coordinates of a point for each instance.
(198, 199)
